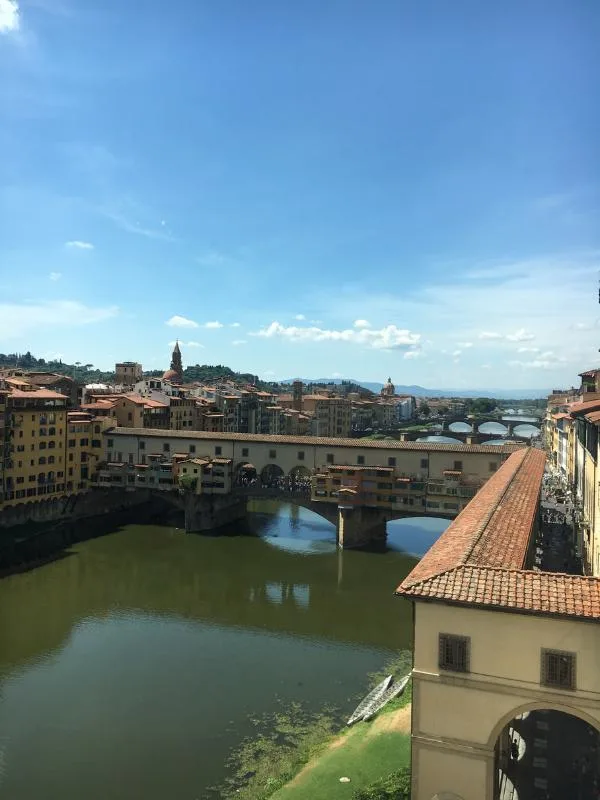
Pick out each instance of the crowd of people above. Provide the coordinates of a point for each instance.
(556, 546)
(297, 483)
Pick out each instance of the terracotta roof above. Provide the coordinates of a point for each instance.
(479, 559)
(310, 441)
(593, 416)
(525, 591)
(588, 405)
(590, 373)
(494, 528)
(561, 416)
(37, 394)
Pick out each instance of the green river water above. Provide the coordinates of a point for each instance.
(130, 668)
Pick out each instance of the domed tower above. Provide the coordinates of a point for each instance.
(389, 390)
(175, 372)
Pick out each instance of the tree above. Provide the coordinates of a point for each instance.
(424, 410)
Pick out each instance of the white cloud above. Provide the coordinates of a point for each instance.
(520, 336)
(76, 244)
(181, 322)
(55, 276)
(361, 323)
(528, 349)
(299, 317)
(387, 338)
(456, 353)
(215, 324)
(10, 16)
(235, 325)
(465, 345)
(336, 375)
(17, 319)
(412, 354)
(238, 342)
(194, 344)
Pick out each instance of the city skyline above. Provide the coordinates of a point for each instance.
(293, 190)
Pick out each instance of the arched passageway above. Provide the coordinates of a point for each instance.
(245, 475)
(270, 475)
(547, 754)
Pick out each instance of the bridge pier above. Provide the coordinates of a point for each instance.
(205, 513)
(359, 526)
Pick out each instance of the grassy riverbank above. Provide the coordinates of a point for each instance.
(364, 753)
(301, 756)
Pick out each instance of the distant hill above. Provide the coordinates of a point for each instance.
(421, 391)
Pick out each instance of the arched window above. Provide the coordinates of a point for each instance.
(42, 460)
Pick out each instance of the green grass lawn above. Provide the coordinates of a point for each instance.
(361, 757)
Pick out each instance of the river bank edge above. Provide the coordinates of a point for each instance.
(268, 765)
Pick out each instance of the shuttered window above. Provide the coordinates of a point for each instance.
(454, 652)
(558, 669)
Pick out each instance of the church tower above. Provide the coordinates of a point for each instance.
(175, 371)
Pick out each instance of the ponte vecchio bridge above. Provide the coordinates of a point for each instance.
(357, 484)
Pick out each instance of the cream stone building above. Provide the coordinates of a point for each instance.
(496, 643)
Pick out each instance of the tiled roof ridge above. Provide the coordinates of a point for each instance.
(368, 444)
(480, 530)
(464, 533)
(539, 574)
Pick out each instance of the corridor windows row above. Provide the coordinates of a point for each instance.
(558, 668)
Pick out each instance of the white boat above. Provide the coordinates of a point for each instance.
(394, 690)
(370, 700)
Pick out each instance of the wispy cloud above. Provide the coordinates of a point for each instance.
(528, 349)
(10, 16)
(178, 321)
(76, 244)
(18, 319)
(388, 338)
(239, 342)
(465, 345)
(55, 276)
(213, 325)
(520, 335)
(235, 325)
(361, 323)
(300, 317)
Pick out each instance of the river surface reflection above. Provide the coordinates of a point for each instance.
(131, 667)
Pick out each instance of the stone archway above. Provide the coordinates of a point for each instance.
(245, 474)
(270, 475)
(551, 748)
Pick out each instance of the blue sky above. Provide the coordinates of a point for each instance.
(304, 188)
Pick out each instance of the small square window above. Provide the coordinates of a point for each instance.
(424, 463)
(558, 669)
(454, 652)
(110, 443)
(272, 454)
(142, 445)
(458, 466)
(360, 459)
(244, 452)
(218, 450)
(166, 447)
(301, 455)
(391, 461)
(192, 448)
(330, 458)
